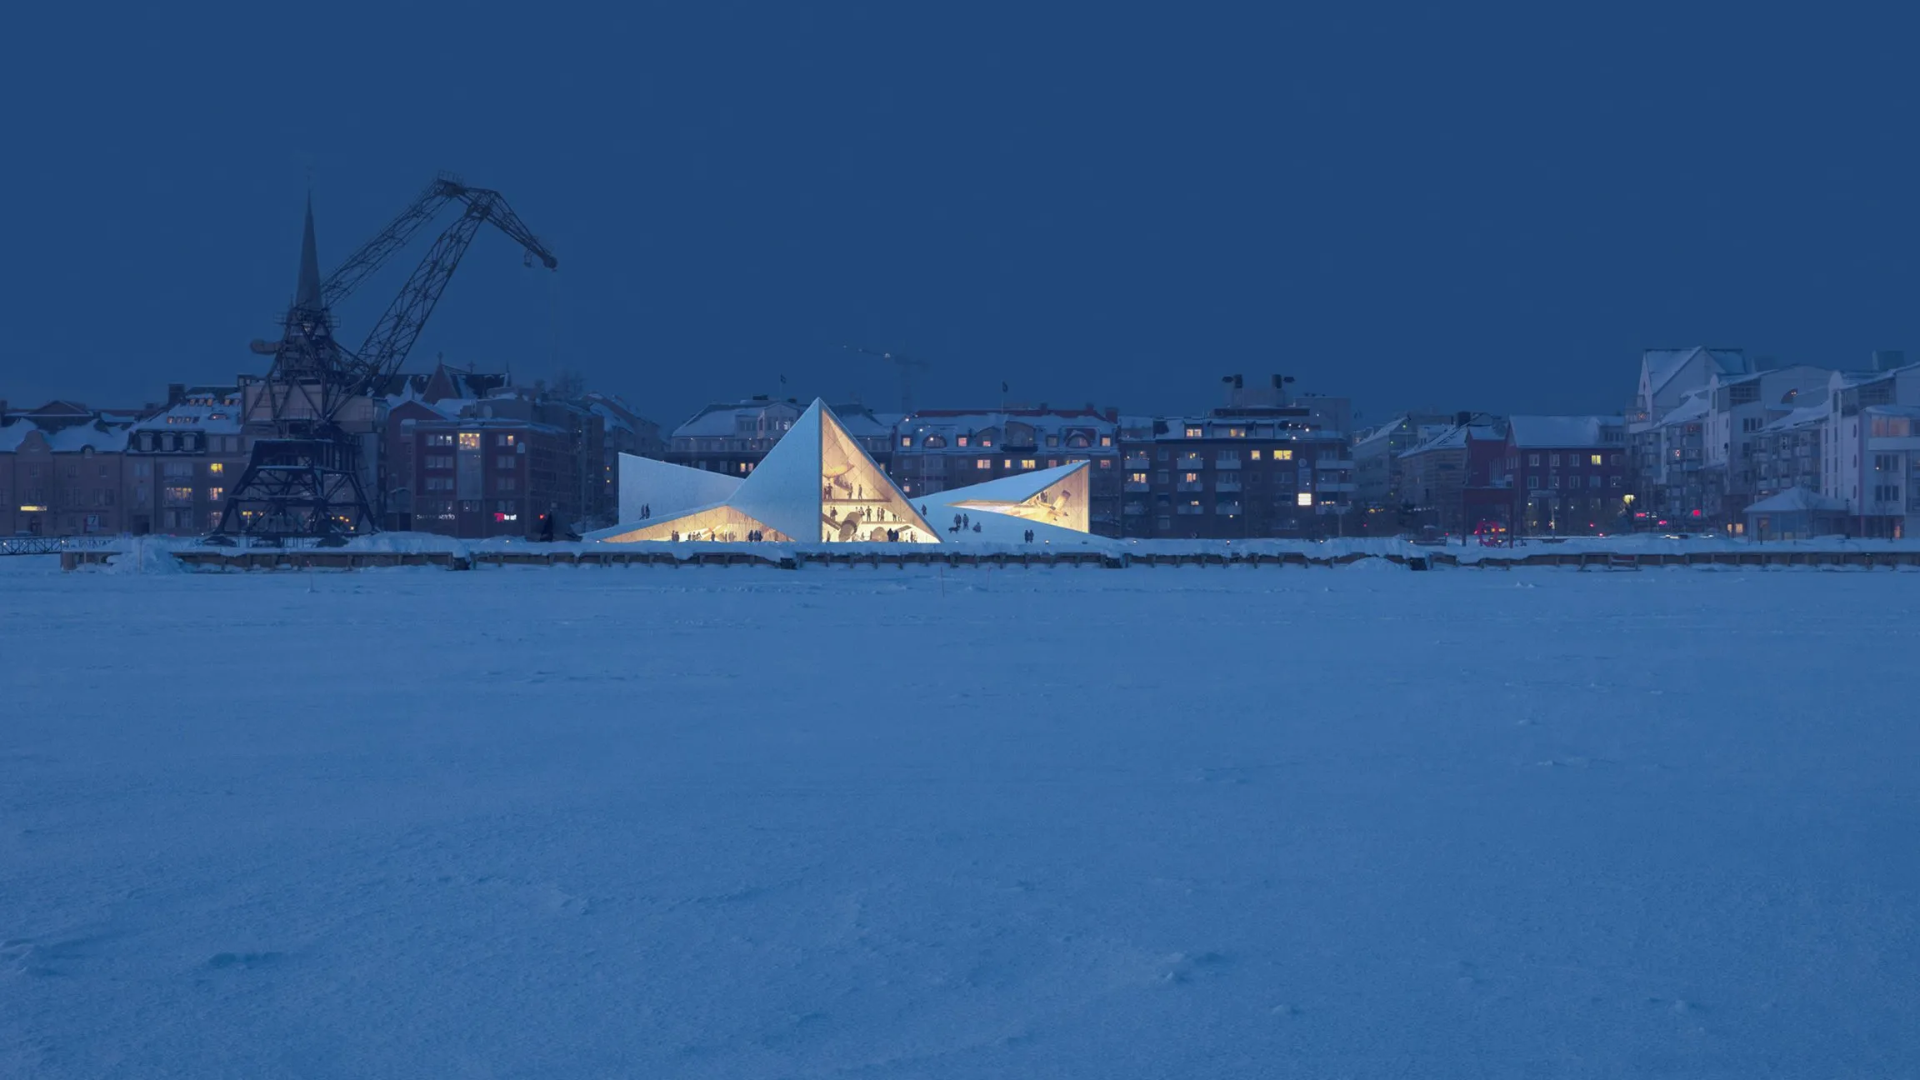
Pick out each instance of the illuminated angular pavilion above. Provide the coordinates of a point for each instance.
(1054, 497)
(815, 485)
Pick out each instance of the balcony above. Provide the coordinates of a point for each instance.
(1187, 508)
(1134, 509)
(1226, 463)
(1190, 486)
(1135, 487)
(1327, 464)
(1137, 463)
(1335, 485)
(1227, 509)
(1227, 484)
(1190, 462)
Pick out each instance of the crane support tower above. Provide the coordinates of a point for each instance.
(314, 420)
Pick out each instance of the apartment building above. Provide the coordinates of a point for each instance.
(62, 471)
(476, 477)
(1376, 457)
(1260, 466)
(1566, 474)
(182, 461)
(1870, 452)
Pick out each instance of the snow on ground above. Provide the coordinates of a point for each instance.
(1075, 823)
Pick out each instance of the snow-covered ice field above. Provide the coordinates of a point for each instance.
(740, 823)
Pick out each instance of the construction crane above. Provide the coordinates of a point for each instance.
(313, 418)
(907, 366)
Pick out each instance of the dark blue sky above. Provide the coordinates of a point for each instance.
(1492, 209)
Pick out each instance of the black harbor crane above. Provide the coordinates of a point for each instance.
(314, 419)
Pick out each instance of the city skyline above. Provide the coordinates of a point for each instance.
(1454, 211)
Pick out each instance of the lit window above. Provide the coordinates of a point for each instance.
(1596, 459)
(962, 441)
(1136, 478)
(1305, 498)
(217, 495)
(1193, 433)
(1193, 478)
(215, 468)
(503, 440)
(1236, 433)
(1029, 463)
(1255, 454)
(469, 440)
(906, 441)
(1007, 464)
(983, 463)
(1283, 455)
(1106, 440)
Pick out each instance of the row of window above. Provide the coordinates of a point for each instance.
(1573, 460)
(445, 483)
(471, 440)
(1075, 441)
(502, 462)
(1573, 482)
(168, 442)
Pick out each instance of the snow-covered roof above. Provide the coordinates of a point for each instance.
(609, 416)
(1383, 432)
(721, 419)
(12, 435)
(1562, 431)
(864, 423)
(98, 436)
(220, 419)
(939, 421)
(1663, 364)
(1804, 416)
(1453, 438)
(1797, 499)
(1694, 407)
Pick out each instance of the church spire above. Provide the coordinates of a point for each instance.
(307, 293)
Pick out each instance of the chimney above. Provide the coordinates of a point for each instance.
(1888, 359)
(1462, 418)
(176, 393)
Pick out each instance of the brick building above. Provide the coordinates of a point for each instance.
(1261, 466)
(475, 477)
(1446, 481)
(1567, 474)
